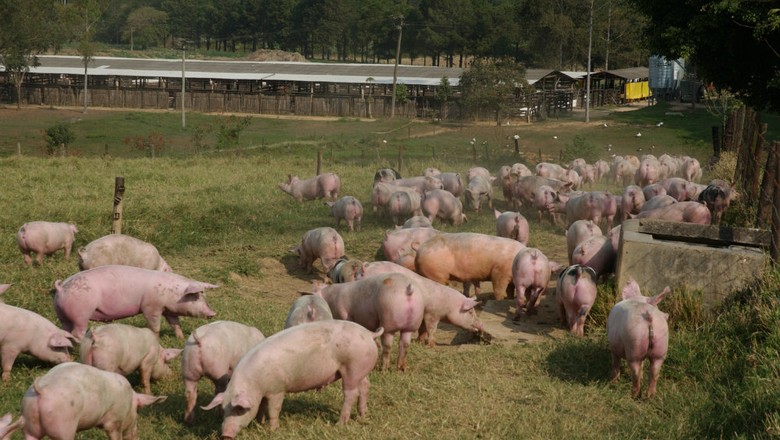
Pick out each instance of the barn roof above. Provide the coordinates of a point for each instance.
(248, 70)
(628, 74)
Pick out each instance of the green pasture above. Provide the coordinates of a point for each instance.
(217, 216)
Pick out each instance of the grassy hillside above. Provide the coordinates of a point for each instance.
(219, 217)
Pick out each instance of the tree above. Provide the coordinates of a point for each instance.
(145, 27)
(27, 29)
(81, 19)
(733, 44)
(443, 95)
(489, 84)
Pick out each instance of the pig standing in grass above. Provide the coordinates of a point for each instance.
(307, 308)
(392, 301)
(74, 397)
(45, 238)
(7, 428)
(213, 351)
(300, 358)
(323, 243)
(402, 205)
(124, 349)
(348, 209)
(23, 331)
(477, 189)
(578, 232)
(121, 249)
(512, 225)
(399, 246)
(325, 185)
(637, 330)
(576, 293)
(112, 292)
(530, 274)
(442, 204)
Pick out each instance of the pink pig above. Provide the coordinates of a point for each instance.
(512, 225)
(400, 242)
(125, 349)
(442, 204)
(213, 351)
(530, 273)
(121, 249)
(576, 293)
(112, 292)
(74, 397)
(578, 232)
(325, 185)
(637, 330)
(687, 212)
(7, 428)
(45, 238)
(348, 209)
(323, 243)
(23, 331)
(308, 308)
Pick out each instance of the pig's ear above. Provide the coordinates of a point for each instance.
(192, 296)
(497, 213)
(631, 290)
(468, 304)
(241, 400)
(58, 340)
(170, 353)
(142, 400)
(658, 298)
(218, 399)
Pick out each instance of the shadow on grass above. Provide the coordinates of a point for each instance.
(582, 361)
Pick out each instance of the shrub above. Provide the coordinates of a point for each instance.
(56, 135)
(580, 148)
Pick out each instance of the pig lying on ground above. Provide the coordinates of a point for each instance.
(392, 301)
(124, 349)
(121, 249)
(348, 209)
(442, 303)
(300, 358)
(323, 243)
(74, 397)
(112, 292)
(325, 185)
(637, 330)
(45, 238)
(576, 292)
(23, 331)
(213, 351)
(307, 308)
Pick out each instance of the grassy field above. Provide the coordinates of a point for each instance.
(217, 216)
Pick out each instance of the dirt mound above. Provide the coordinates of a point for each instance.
(274, 55)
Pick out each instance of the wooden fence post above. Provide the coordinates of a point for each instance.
(319, 161)
(400, 158)
(768, 186)
(119, 197)
(775, 251)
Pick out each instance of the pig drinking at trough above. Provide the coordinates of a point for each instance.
(213, 351)
(106, 293)
(45, 238)
(576, 293)
(717, 197)
(596, 252)
(325, 185)
(307, 308)
(392, 301)
(637, 330)
(442, 303)
(442, 204)
(23, 331)
(125, 349)
(74, 397)
(530, 273)
(512, 225)
(323, 243)
(301, 358)
(470, 258)
(348, 209)
(121, 249)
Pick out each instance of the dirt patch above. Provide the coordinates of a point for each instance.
(275, 55)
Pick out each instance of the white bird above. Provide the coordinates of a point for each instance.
(555, 137)
(659, 124)
(605, 124)
(639, 135)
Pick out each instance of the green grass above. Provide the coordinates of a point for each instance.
(220, 218)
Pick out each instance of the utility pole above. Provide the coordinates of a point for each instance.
(183, 83)
(395, 68)
(590, 50)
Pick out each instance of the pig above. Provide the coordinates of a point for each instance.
(121, 249)
(124, 349)
(520, 170)
(624, 171)
(503, 172)
(576, 292)
(441, 303)
(690, 169)
(594, 205)
(442, 204)
(403, 205)
(418, 221)
(570, 175)
(386, 175)
(325, 185)
(450, 181)
(431, 172)
(300, 358)
(7, 428)
(679, 188)
(381, 193)
(45, 238)
(631, 202)
(544, 200)
(648, 172)
(602, 170)
(23, 331)
(74, 397)
(479, 171)
(525, 187)
(391, 301)
(470, 258)
(587, 174)
(307, 308)
(636, 331)
(323, 243)
(111, 292)
(512, 225)
(213, 351)
(477, 189)
(399, 241)
(658, 202)
(506, 184)
(668, 166)
(551, 170)
(420, 183)
(686, 212)
(530, 274)
(654, 190)
(348, 209)
(717, 197)
(596, 252)
(578, 232)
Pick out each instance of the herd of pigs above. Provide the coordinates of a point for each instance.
(338, 330)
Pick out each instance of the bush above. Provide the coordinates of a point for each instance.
(580, 148)
(59, 134)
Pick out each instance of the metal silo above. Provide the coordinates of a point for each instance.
(665, 75)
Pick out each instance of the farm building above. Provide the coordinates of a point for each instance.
(631, 83)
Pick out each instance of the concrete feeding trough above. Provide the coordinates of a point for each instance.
(716, 260)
